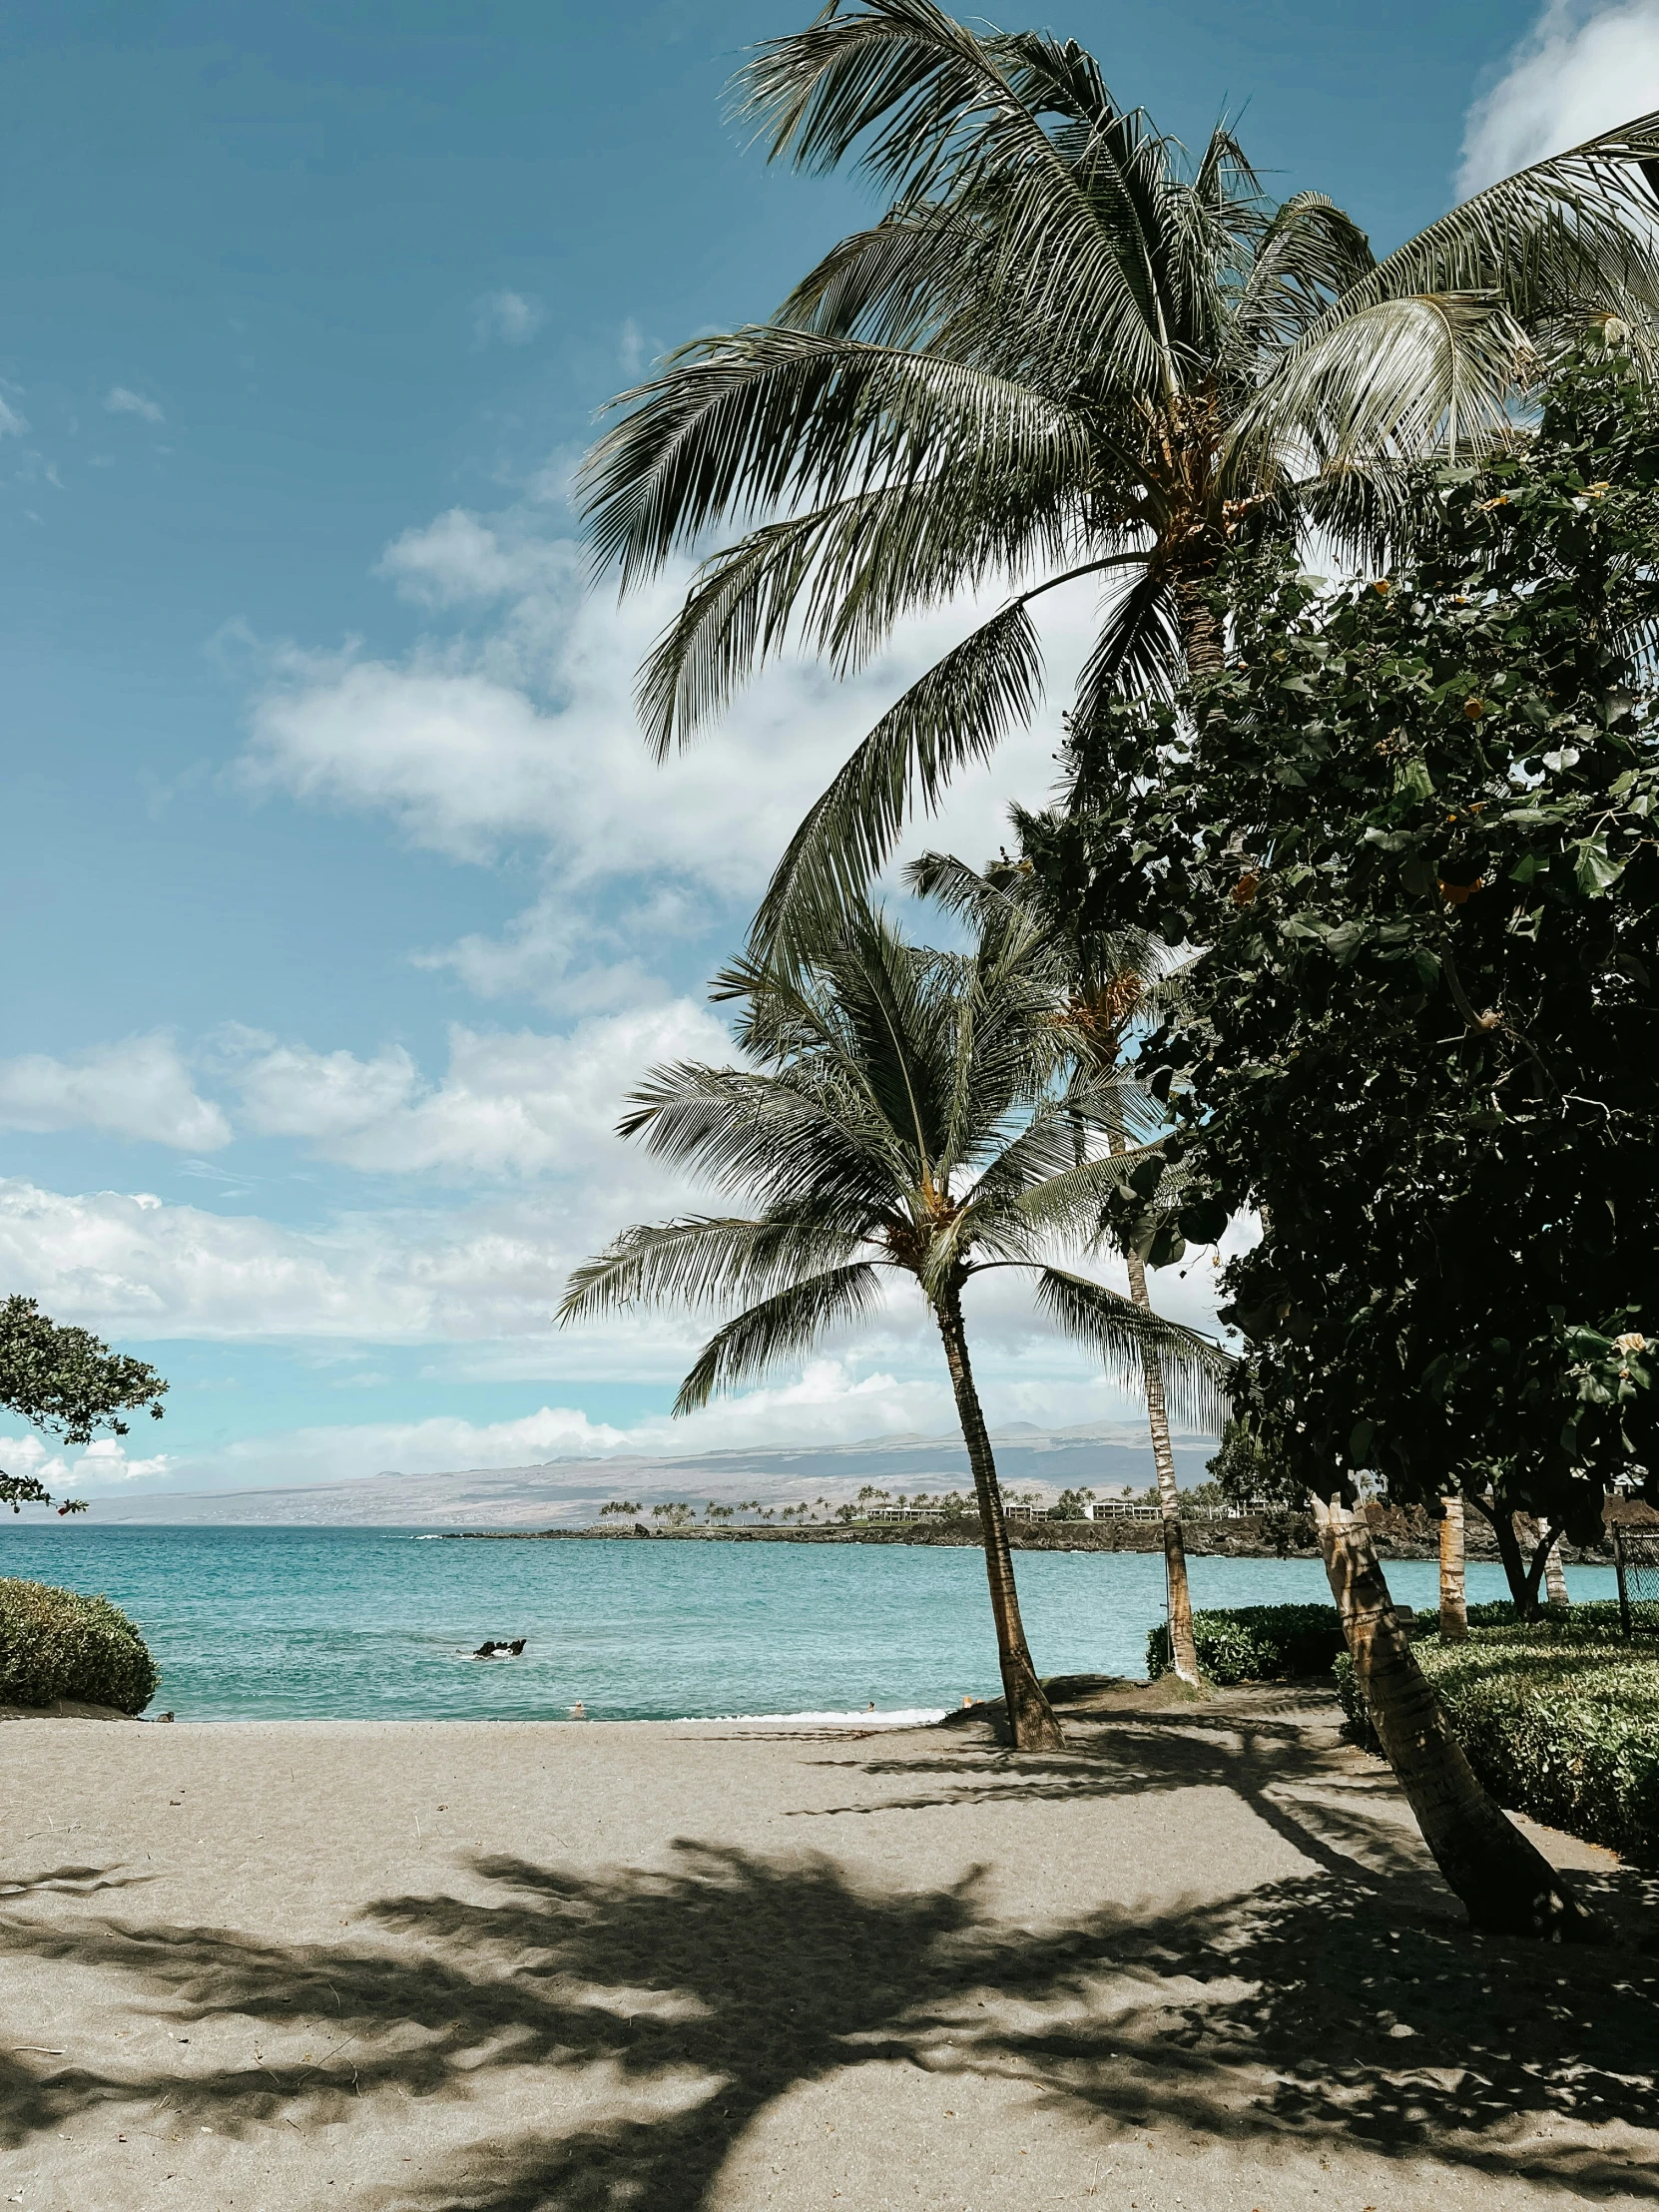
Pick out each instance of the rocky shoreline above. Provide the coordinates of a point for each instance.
(1398, 1536)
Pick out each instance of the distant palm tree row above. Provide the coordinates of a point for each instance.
(1064, 351)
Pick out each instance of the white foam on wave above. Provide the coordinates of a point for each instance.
(920, 1716)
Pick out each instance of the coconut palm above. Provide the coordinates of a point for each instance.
(1110, 981)
(904, 1111)
(1065, 350)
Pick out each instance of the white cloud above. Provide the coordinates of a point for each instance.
(512, 317)
(328, 1097)
(513, 1104)
(562, 955)
(458, 559)
(139, 1088)
(1578, 71)
(98, 1465)
(119, 400)
(529, 734)
(630, 351)
(12, 425)
(127, 1263)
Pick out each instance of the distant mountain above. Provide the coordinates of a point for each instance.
(567, 1493)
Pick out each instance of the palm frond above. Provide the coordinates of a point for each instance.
(958, 712)
(1137, 648)
(1395, 381)
(701, 1260)
(948, 116)
(1309, 254)
(836, 582)
(777, 1329)
(806, 1136)
(1577, 228)
(1124, 1335)
(769, 419)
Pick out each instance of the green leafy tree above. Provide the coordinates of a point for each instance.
(1413, 823)
(624, 1505)
(903, 1111)
(1062, 351)
(65, 1383)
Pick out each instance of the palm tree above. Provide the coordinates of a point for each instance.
(1455, 1610)
(1065, 350)
(906, 1111)
(1109, 980)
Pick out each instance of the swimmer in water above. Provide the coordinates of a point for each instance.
(578, 1711)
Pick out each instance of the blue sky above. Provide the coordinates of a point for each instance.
(343, 904)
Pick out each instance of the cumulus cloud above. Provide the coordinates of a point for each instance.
(139, 1088)
(131, 1265)
(516, 1104)
(1580, 70)
(458, 559)
(528, 734)
(512, 317)
(565, 957)
(106, 1460)
(119, 400)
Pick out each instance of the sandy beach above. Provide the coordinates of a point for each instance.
(1200, 1962)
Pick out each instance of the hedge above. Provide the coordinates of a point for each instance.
(1256, 1643)
(1559, 1718)
(58, 1644)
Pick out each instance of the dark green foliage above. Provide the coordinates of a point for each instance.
(1559, 1718)
(1256, 1643)
(1413, 824)
(58, 1644)
(1244, 1473)
(65, 1382)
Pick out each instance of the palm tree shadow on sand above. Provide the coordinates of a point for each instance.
(1346, 2003)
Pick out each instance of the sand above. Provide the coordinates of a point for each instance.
(1199, 1963)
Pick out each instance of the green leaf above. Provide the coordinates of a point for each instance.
(1595, 872)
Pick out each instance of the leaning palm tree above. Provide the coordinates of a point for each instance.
(904, 1111)
(1110, 981)
(1065, 350)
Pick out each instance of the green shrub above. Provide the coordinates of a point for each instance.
(56, 1643)
(1256, 1643)
(1558, 1717)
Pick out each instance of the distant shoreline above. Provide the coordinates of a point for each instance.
(1244, 1538)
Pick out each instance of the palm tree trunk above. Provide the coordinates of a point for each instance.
(1556, 1575)
(1505, 1884)
(1203, 631)
(1031, 1722)
(1179, 1603)
(1182, 1648)
(1455, 1612)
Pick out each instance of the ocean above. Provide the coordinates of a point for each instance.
(379, 1624)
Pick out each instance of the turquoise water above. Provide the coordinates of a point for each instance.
(375, 1624)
